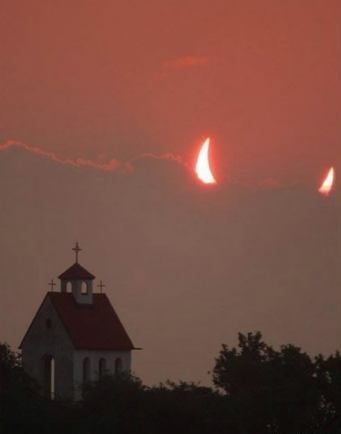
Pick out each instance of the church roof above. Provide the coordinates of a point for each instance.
(76, 272)
(93, 326)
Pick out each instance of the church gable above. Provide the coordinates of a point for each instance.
(46, 329)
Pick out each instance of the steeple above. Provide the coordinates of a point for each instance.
(77, 249)
(79, 279)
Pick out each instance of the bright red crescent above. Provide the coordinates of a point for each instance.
(202, 166)
(328, 183)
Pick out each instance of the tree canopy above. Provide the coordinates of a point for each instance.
(256, 389)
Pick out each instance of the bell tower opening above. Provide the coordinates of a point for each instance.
(84, 288)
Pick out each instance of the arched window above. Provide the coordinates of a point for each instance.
(84, 288)
(49, 376)
(86, 369)
(102, 366)
(68, 287)
(118, 366)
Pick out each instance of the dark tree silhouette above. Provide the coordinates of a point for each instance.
(269, 391)
(259, 390)
(122, 404)
(114, 404)
(329, 376)
(23, 409)
(188, 408)
(19, 398)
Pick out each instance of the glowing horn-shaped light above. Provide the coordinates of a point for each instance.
(202, 166)
(328, 183)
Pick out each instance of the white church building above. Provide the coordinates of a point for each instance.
(75, 337)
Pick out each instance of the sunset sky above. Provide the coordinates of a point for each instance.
(104, 105)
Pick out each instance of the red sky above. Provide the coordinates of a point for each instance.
(109, 82)
(116, 79)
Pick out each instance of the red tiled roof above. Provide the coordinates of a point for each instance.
(93, 326)
(76, 272)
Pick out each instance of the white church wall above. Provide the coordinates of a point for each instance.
(94, 358)
(48, 337)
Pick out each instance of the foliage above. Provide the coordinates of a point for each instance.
(114, 404)
(122, 404)
(269, 391)
(329, 375)
(22, 408)
(258, 390)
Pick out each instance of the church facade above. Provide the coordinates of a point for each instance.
(75, 337)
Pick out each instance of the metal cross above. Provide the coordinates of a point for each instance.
(101, 286)
(52, 284)
(77, 249)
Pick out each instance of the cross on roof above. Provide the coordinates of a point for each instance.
(77, 249)
(101, 286)
(52, 284)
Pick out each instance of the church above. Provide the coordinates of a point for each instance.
(75, 337)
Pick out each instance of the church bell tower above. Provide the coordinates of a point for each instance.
(77, 280)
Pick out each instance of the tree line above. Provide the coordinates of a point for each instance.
(256, 390)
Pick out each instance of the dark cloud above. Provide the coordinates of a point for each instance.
(185, 266)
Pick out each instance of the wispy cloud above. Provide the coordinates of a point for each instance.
(112, 165)
(176, 158)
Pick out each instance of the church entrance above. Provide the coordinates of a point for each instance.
(49, 376)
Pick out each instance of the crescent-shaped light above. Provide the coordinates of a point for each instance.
(202, 166)
(328, 183)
